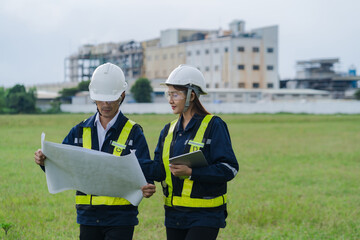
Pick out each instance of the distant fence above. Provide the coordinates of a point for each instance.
(315, 107)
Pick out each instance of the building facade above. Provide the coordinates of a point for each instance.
(127, 55)
(228, 59)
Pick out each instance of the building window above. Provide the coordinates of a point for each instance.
(216, 50)
(256, 49)
(241, 67)
(189, 54)
(207, 85)
(256, 85)
(241, 85)
(270, 67)
(241, 49)
(198, 52)
(216, 68)
(256, 67)
(216, 85)
(198, 68)
(226, 49)
(239, 95)
(270, 50)
(207, 69)
(206, 51)
(270, 85)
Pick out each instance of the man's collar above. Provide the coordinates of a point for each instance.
(112, 121)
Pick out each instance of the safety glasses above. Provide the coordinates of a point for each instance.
(174, 95)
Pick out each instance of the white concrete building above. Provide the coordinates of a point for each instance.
(228, 59)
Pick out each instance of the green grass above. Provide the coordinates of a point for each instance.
(298, 178)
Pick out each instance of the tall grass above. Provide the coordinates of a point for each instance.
(298, 178)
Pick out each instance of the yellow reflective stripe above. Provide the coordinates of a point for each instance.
(86, 137)
(199, 202)
(165, 157)
(83, 199)
(123, 137)
(187, 187)
(200, 133)
(100, 200)
(188, 184)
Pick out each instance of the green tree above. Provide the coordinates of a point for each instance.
(20, 101)
(69, 92)
(357, 94)
(84, 85)
(2, 100)
(55, 106)
(142, 90)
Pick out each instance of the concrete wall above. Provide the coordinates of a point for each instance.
(318, 107)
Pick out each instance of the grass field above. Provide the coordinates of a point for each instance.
(299, 178)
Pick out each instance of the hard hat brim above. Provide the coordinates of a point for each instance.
(104, 98)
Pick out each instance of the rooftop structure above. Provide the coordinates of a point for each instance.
(321, 74)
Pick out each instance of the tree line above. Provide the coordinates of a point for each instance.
(17, 99)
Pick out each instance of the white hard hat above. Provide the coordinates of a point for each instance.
(107, 83)
(186, 75)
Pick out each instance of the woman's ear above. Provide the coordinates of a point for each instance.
(192, 96)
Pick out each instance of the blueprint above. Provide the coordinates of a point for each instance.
(92, 172)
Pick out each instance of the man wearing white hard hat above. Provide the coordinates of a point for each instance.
(102, 217)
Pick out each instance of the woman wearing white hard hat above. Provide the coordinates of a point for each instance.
(195, 198)
(102, 217)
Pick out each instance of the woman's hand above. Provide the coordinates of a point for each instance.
(148, 190)
(180, 170)
(39, 157)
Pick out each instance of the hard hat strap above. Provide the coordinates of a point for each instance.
(187, 102)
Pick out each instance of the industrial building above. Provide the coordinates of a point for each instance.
(127, 55)
(234, 58)
(321, 74)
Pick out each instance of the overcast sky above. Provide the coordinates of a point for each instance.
(37, 35)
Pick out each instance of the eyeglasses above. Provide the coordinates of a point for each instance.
(175, 95)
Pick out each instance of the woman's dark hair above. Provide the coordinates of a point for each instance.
(198, 107)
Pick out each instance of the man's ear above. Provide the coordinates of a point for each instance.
(122, 98)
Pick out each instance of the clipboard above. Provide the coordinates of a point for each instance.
(192, 159)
